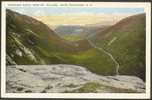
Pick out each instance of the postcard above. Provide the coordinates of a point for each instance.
(75, 49)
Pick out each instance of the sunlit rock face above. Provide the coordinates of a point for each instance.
(64, 78)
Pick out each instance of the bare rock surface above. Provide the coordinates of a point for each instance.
(63, 78)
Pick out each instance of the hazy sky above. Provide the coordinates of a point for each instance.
(40, 11)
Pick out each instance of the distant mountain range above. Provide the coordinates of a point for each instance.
(68, 29)
(76, 31)
(32, 42)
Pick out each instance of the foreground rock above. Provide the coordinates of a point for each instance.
(67, 78)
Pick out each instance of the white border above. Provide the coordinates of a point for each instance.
(147, 8)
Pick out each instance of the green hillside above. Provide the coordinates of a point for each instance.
(126, 42)
(29, 42)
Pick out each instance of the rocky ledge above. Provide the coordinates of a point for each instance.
(63, 78)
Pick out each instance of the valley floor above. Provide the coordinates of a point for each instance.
(62, 78)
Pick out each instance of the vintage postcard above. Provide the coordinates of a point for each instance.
(75, 49)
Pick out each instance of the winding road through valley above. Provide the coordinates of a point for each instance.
(109, 54)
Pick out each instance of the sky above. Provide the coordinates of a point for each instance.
(45, 11)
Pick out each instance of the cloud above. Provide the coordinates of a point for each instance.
(39, 13)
